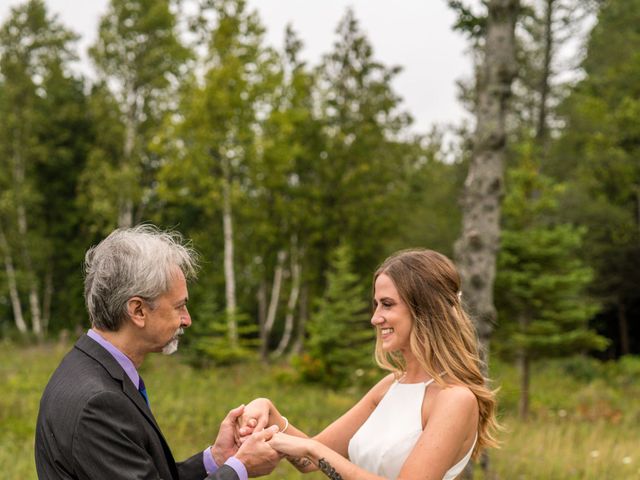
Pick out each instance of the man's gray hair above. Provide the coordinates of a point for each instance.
(138, 261)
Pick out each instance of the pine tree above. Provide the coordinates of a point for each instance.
(340, 342)
(541, 282)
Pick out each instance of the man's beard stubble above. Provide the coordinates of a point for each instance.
(172, 346)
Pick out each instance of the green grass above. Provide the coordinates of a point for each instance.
(585, 421)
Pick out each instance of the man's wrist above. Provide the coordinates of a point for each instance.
(209, 460)
(212, 463)
(218, 456)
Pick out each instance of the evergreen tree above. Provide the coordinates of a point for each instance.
(360, 173)
(340, 337)
(597, 155)
(541, 282)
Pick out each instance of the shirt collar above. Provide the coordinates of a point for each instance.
(124, 361)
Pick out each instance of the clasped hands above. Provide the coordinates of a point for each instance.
(250, 433)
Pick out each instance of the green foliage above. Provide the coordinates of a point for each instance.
(43, 144)
(541, 279)
(340, 341)
(211, 344)
(597, 156)
(139, 59)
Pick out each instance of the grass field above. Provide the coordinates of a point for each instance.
(585, 422)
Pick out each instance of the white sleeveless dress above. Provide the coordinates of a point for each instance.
(385, 439)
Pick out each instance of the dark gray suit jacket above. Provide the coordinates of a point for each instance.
(94, 424)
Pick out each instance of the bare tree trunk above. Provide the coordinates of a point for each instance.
(125, 202)
(13, 285)
(21, 215)
(303, 316)
(525, 375)
(291, 304)
(47, 296)
(623, 325)
(542, 124)
(34, 298)
(525, 371)
(477, 248)
(229, 275)
(276, 286)
(262, 304)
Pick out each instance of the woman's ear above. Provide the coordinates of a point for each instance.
(137, 312)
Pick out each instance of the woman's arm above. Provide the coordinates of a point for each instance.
(311, 451)
(336, 436)
(448, 436)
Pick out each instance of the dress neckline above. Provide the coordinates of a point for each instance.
(425, 383)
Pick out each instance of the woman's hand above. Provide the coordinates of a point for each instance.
(256, 417)
(295, 447)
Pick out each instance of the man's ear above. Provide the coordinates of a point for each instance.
(137, 312)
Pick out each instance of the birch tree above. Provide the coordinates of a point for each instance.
(138, 58)
(478, 245)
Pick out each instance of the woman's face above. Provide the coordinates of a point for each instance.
(391, 316)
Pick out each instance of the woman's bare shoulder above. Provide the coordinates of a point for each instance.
(458, 398)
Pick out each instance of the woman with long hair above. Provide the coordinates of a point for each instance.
(431, 414)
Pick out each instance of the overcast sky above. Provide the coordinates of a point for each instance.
(414, 34)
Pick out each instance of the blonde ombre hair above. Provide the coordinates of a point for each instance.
(443, 338)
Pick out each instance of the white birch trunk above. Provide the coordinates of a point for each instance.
(125, 202)
(275, 291)
(46, 301)
(34, 301)
(229, 275)
(34, 297)
(298, 345)
(13, 285)
(291, 304)
(273, 304)
(477, 248)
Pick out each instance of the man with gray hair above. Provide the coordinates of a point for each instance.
(95, 420)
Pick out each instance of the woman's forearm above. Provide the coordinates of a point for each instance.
(334, 465)
(303, 464)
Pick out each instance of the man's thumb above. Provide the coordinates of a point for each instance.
(235, 413)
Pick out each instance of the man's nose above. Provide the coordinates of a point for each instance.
(186, 319)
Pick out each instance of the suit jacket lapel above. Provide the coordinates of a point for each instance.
(93, 349)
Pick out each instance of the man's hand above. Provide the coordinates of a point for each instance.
(225, 445)
(256, 454)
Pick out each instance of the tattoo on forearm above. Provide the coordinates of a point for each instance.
(326, 468)
(300, 463)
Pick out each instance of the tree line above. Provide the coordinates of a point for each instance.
(294, 181)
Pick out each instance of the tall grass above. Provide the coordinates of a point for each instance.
(585, 421)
